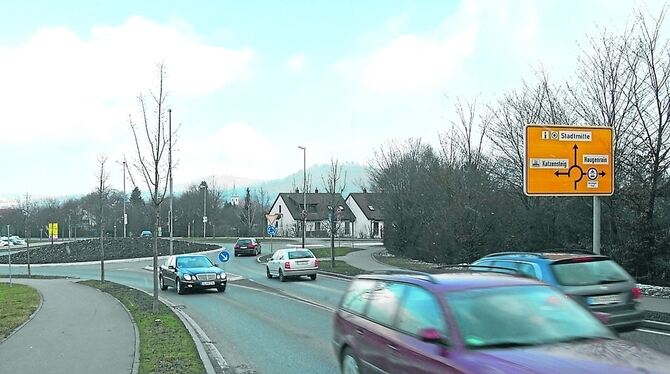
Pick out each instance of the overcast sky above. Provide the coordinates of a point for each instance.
(249, 81)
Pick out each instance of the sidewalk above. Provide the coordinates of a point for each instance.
(363, 259)
(78, 330)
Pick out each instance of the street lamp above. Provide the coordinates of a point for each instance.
(304, 192)
(203, 186)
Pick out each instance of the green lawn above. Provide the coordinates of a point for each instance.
(325, 252)
(341, 267)
(165, 344)
(17, 303)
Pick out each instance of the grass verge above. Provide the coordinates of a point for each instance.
(341, 267)
(165, 344)
(17, 303)
(339, 251)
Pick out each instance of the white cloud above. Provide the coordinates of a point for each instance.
(61, 86)
(296, 63)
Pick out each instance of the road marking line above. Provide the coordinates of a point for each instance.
(289, 296)
(653, 332)
(656, 322)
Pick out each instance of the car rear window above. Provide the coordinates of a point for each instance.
(299, 254)
(581, 272)
(244, 242)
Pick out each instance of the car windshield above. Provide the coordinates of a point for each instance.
(299, 254)
(521, 315)
(194, 262)
(588, 273)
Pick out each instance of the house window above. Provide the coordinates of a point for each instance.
(317, 226)
(346, 228)
(375, 228)
(371, 207)
(312, 208)
(280, 209)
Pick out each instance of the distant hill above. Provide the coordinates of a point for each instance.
(356, 179)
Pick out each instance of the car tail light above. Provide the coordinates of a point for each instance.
(252, 246)
(637, 293)
(287, 265)
(237, 246)
(316, 262)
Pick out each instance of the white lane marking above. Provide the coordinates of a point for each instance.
(289, 296)
(656, 322)
(653, 332)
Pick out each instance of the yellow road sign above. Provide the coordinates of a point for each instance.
(53, 230)
(568, 161)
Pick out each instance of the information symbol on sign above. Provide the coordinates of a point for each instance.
(545, 135)
(224, 256)
(592, 173)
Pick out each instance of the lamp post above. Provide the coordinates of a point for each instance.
(203, 186)
(171, 219)
(304, 192)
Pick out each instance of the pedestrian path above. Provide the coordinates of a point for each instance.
(78, 330)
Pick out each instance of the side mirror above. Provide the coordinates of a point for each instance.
(171, 267)
(602, 317)
(430, 335)
(216, 265)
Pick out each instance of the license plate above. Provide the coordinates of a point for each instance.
(243, 247)
(207, 283)
(603, 300)
(301, 262)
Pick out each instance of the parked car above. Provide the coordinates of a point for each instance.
(190, 272)
(146, 234)
(248, 246)
(292, 262)
(4, 241)
(594, 281)
(473, 322)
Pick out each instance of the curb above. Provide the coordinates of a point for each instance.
(30, 318)
(136, 356)
(662, 326)
(335, 275)
(117, 261)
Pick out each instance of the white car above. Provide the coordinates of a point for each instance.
(4, 241)
(15, 240)
(292, 262)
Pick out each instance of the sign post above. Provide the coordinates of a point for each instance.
(570, 161)
(271, 229)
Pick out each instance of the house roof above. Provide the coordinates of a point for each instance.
(370, 204)
(293, 202)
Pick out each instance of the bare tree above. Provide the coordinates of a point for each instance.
(248, 214)
(102, 192)
(152, 141)
(334, 183)
(28, 209)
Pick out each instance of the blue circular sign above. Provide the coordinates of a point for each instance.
(272, 231)
(224, 256)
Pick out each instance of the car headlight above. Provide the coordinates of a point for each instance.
(218, 276)
(188, 277)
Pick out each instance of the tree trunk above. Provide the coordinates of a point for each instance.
(28, 249)
(157, 211)
(102, 254)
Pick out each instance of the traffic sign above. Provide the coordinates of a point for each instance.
(224, 256)
(272, 231)
(272, 218)
(568, 161)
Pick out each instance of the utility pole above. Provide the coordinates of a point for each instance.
(203, 186)
(170, 218)
(304, 192)
(596, 224)
(125, 217)
(9, 256)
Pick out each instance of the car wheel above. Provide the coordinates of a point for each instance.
(221, 289)
(349, 362)
(162, 283)
(178, 286)
(312, 276)
(267, 272)
(282, 278)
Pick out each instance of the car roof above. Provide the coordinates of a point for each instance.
(455, 281)
(238, 239)
(550, 256)
(293, 249)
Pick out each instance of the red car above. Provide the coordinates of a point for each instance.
(473, 322)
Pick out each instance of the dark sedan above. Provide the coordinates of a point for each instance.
(190, 272)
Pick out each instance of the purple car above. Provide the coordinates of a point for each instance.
(407, 322)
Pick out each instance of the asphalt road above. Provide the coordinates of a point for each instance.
(259, 324)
